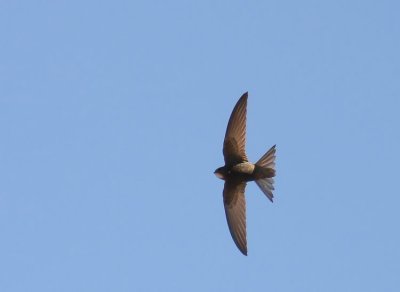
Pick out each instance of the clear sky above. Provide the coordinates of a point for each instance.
(112, 116)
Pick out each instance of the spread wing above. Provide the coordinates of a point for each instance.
(235, 136)
(235, 211)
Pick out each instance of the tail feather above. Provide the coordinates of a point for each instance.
(268, 159)
(266, 184)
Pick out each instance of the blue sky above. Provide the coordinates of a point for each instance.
(112, 116)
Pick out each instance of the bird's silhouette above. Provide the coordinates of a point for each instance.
(237, 171)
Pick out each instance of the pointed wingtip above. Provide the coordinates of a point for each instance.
(244, 251)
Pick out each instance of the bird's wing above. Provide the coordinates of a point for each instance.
(235, 211)
(235, 136)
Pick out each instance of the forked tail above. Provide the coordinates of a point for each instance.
(267, 161)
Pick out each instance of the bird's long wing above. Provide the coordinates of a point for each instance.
(235, 136)
(235, 211)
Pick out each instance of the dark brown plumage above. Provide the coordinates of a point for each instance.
(237, 171)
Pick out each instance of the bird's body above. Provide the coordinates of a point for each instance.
(245, 171)
(237, 171)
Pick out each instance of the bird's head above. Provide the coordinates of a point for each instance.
(220, 172)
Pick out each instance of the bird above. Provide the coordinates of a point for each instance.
(237, 171)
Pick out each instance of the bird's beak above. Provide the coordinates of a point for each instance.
(219, 175)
